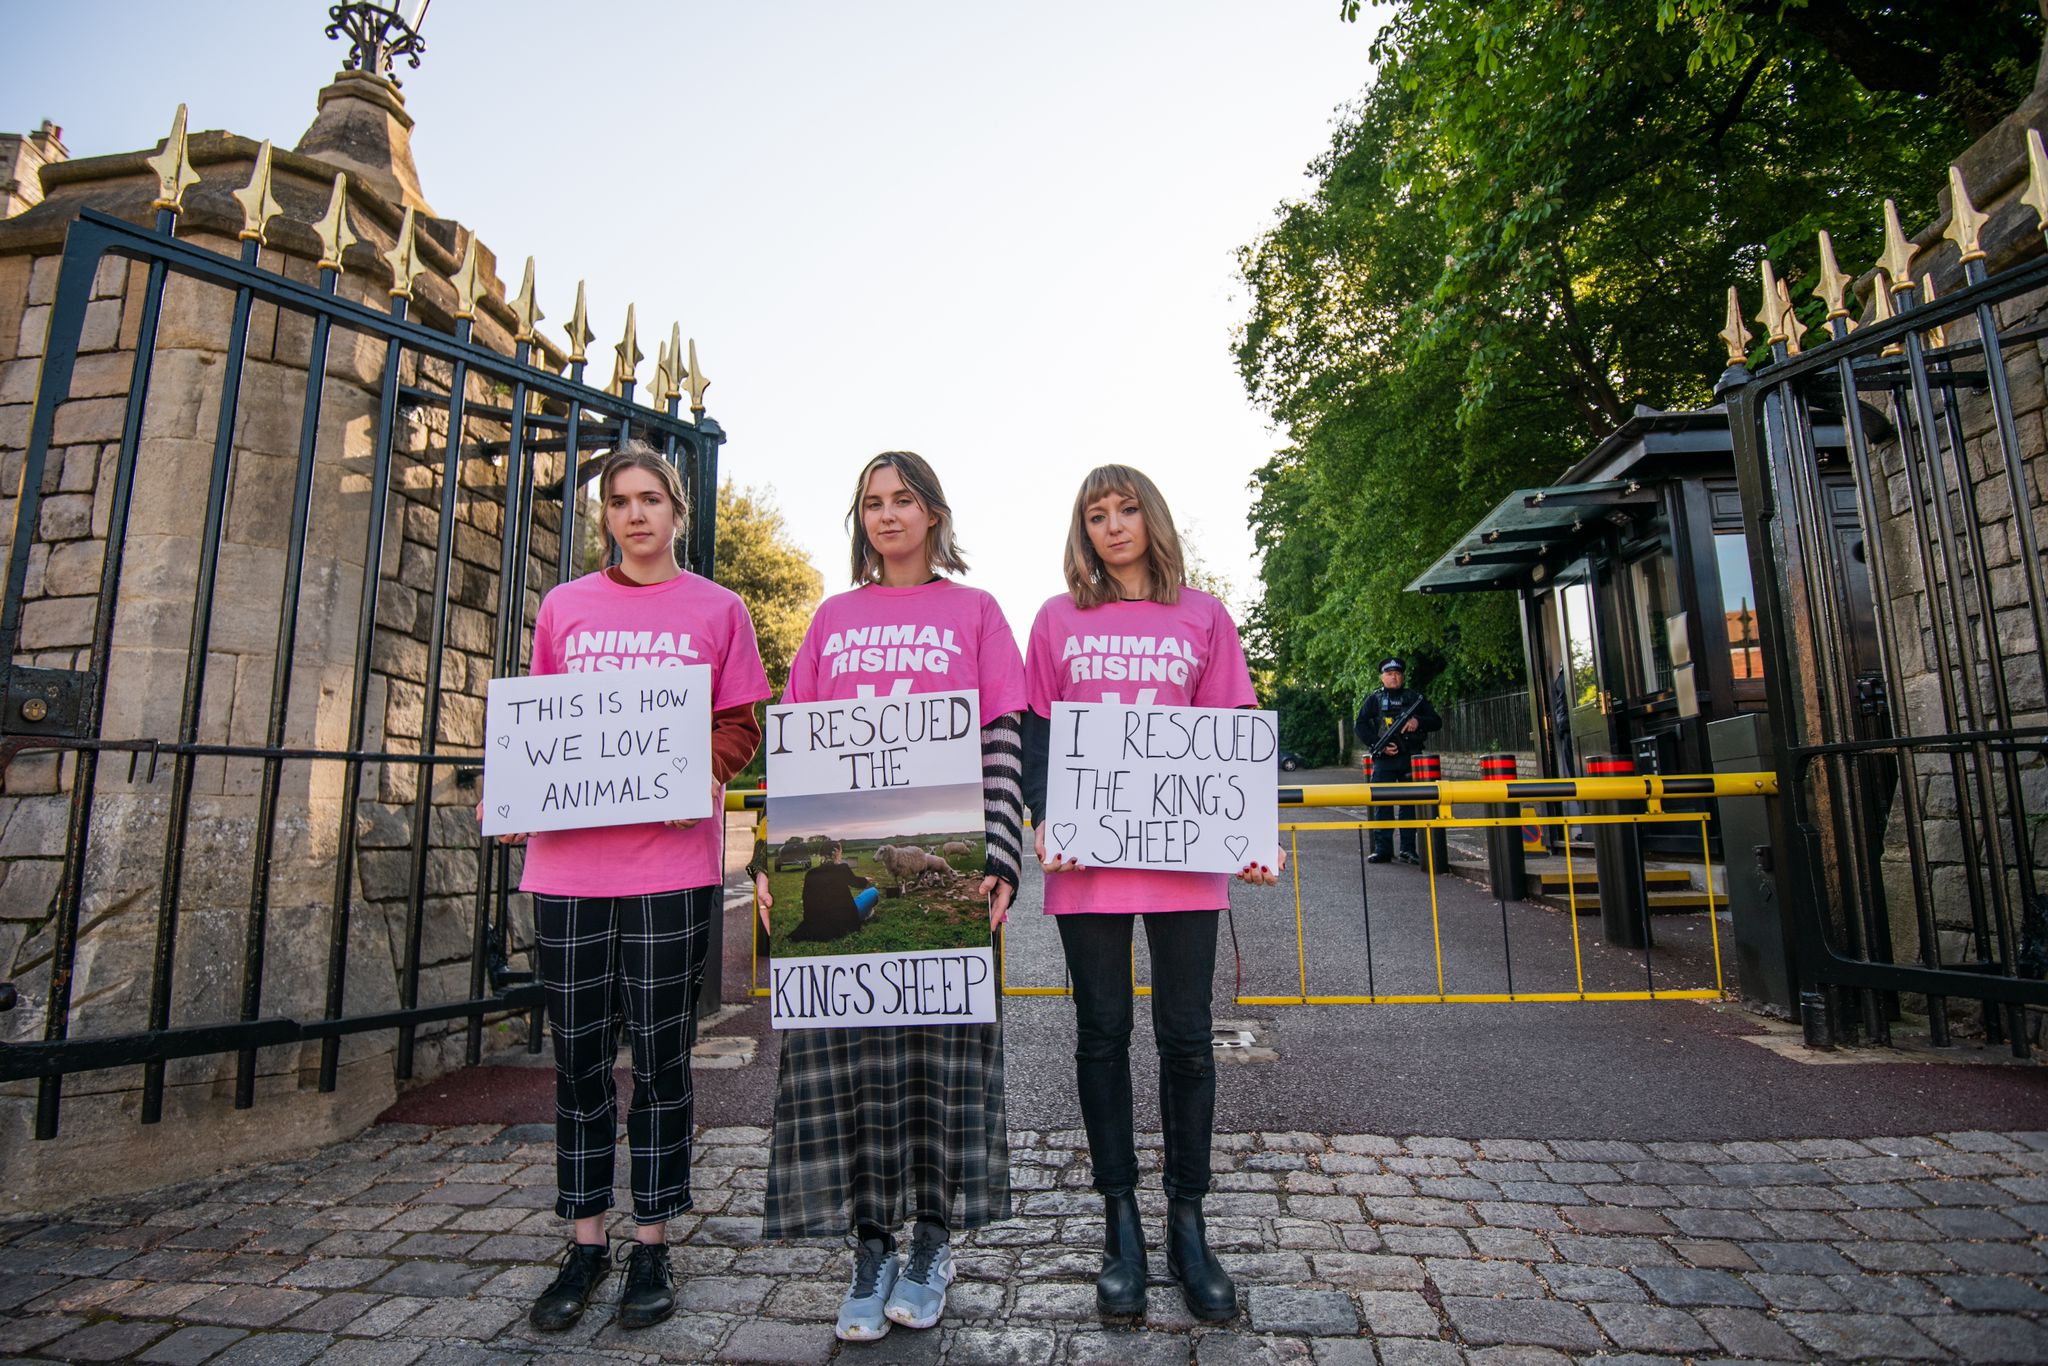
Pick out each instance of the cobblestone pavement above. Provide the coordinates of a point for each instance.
(420, 1244)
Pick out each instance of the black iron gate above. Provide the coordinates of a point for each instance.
(507, 410)
(1907, 848)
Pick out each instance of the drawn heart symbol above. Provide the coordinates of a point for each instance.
(505, 809)
(1236, 844)
(1063, 833)
(680, 763)
(504, 742)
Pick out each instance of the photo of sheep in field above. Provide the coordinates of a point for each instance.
(876, 871)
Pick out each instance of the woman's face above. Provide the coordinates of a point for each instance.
(1116, 528)
(639, 515)
(896, 523)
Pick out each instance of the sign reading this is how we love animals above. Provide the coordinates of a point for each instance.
(574, 751)
(1181, 789)
(875, 853)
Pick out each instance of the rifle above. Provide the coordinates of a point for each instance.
(1392, 734)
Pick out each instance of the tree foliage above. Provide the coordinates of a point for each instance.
(1525, 227)
(757, 559)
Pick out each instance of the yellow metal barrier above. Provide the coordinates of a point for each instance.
(1518, 793)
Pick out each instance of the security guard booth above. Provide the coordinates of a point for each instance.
(1638, 613)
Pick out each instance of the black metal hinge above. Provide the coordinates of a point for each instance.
(46, 702)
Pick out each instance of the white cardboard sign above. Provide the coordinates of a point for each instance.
(573, 751)
(1180, 789)
(869, 743)
(863, 990)
(905, 769)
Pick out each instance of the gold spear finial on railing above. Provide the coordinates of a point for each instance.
(404, 259)
(1734, 333)
(697, 383)
(1788, 319)
(259, 205)
(1937, 335)
(2037, 177)
(468, 281)
(174, 173)
(1834, 285)
(333, 230)
(678, 373)
(629, 353)
(579, 328)
(525, 309)
(657, 383)
(1882, 310)
(1897, 261)
(1772, 318)
(1964, 221)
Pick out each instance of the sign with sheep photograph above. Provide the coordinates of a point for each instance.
(571, 751)
(874, 850)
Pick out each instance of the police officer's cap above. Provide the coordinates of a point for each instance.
(1393, 662)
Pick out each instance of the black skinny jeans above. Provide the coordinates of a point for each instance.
(1183, 948)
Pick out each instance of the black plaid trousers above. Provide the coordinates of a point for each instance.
(640, 958)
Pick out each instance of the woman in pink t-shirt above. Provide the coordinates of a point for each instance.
(1129, 629)
(622, 914)
(878, 1127)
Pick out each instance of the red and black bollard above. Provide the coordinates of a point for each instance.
(1618, 860)
(1429, 768)
(1506, 867)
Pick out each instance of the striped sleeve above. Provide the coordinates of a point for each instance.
(1002, 797)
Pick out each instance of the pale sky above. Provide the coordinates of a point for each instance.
(1002, 236)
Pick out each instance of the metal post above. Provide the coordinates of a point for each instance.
(1507, 868)
(1618, 863)
(1429, 768)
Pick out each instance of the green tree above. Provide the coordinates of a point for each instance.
(1524, 228)
(757, 559)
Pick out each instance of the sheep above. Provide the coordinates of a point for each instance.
(906, 863)
(956, 847)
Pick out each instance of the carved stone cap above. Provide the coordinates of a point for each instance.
(362, 128)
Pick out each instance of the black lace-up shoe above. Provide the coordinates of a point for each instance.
(649, 1295)
(561, 1304)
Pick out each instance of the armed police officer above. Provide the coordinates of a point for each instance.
(1393, 722)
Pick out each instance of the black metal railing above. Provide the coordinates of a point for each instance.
(63, 709)
(1906, 850)
(1495, 724)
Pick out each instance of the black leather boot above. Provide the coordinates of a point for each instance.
(1120, 1289)
(649, 1295)
(1203, 1283)
(563, 1302)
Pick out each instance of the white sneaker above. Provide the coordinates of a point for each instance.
(920, 1294)
(874, 1278)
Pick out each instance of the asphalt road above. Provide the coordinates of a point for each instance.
(1638, 1069)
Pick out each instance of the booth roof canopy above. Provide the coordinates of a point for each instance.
(1530, 529)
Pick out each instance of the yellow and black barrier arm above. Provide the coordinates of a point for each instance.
(1476, 791)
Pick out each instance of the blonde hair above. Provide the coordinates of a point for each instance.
(941, 550)
(634, 454)
(1088, 579)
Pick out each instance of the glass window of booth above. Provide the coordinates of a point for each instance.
(1653, 591)
(1738, 606)
(1575, 601)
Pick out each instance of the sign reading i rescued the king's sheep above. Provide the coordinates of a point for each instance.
(875, 844)
(1185, 789)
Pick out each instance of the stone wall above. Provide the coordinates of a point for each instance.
(146, 672)
(1994, 172)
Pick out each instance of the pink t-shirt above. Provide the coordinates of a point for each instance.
(1186, 654)
(933, 637)
(596, 624)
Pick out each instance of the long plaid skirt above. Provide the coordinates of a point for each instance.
(879, 1126)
